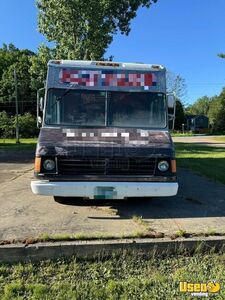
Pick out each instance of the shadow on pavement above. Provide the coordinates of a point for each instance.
(184, 205)
(19, 156)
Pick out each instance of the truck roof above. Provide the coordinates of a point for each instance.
(91, 64)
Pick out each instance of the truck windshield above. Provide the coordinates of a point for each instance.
(84, 108)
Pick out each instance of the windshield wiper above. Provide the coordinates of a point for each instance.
(59, 98)
(65, 93)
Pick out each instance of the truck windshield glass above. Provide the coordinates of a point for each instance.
(76, 108)
(137, 109)
(113, 109)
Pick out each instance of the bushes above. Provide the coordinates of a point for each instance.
(27, 126)
(7, 129)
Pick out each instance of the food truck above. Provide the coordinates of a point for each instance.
(104, 131)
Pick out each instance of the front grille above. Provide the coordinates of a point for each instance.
(106, 166)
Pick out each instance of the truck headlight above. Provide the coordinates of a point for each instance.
(163, 165)
(49, 165)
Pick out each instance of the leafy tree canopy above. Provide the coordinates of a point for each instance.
(200, 107)
(217, 112)
(38, 69)
(179, 116)
(213, 108)
(84, 29)
(221, 55)
(9, 55)
(12, 58)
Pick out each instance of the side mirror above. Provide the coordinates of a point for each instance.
(171, 103)
(171, 100)
(41, 104)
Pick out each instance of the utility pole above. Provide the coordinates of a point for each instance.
(17, 110)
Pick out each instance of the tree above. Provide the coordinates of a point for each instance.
(38, 69)
(177, 85)
(214, 108)
(84, 29)
(27, 123)
(179, 116)
(221, 55)
(11, 58)
(217, 112)
(200, 107)
(7, 128)
(8, 56)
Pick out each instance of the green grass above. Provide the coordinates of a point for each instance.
(84, 236)
(139, 220)
(181, 233)
(180, 134)
(10, 144)
(129, 276)
(142, 233)
(204, 160)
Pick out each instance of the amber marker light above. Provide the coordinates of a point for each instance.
(37, 164)
(173, 166)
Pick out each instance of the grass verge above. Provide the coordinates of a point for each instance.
(121, 276)
(205, 160)
(146, 233)
(83, 236)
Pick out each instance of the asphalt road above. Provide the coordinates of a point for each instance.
(199, 207)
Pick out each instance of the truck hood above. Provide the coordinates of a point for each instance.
(102, 142)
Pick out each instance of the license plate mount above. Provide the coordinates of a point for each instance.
(105, 192)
